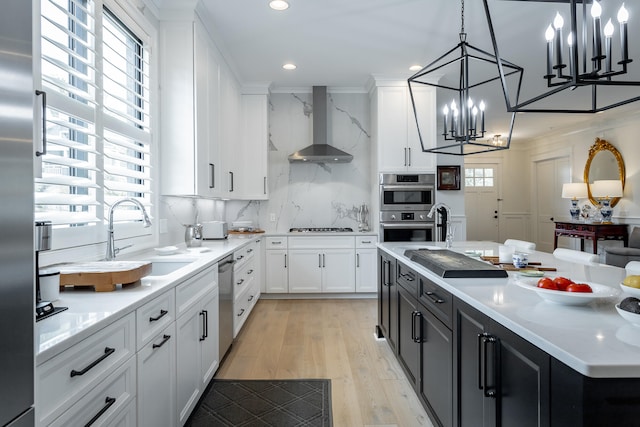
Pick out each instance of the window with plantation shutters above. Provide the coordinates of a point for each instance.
(95, 72)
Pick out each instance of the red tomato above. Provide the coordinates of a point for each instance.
(547, 283)
(562, 283)
(579, 287)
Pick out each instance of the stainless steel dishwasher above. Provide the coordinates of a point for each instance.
(225, 286)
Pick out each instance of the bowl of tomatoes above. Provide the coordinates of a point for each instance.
(562, 290)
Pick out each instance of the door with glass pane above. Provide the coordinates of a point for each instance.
(481, 201)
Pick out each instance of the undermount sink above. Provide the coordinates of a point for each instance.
(162, 268)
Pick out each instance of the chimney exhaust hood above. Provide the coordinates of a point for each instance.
(320, 151)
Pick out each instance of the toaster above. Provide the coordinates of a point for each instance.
(213, 230)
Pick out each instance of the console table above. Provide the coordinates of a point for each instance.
(594, 232)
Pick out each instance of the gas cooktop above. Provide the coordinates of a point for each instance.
(321, 230)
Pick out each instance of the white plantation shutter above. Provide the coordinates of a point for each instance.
(127, 136)
(96, 76)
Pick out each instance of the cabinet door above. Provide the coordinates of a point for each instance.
(188, 332)
(209, 345)
(157, 380)
(305, 270)
(408, 329)
(425, 99)
(468, 399)
(392, 128)
(366, 270)
(388, 299)
(276, 278)
(203, 130)
(436, 384)
(213, 120)
(338, 270)
(230, 136)
(524, 388)
(255, 140)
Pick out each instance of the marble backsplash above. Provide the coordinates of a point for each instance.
(312, 195)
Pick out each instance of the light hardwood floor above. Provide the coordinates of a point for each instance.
(328, 339)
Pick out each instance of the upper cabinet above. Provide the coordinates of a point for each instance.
(189, 124)
(213, 135)
(396, 135)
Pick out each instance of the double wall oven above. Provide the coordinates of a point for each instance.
(405, 201)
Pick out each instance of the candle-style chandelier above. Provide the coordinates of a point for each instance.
(463, 119)
(590, 56)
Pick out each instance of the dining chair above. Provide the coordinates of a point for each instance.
(578, 257)
(520, 245)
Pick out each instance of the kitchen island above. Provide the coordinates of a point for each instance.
(500, 353)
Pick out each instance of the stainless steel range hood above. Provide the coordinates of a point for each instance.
(320, 151)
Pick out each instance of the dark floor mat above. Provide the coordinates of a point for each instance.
(280, 403)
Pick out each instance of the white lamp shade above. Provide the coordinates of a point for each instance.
(607, 188)
(574, 190)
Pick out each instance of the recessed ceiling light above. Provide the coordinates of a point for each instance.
(289, 66)
(415, 67)
(278, 5)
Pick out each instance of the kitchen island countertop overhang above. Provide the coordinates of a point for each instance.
(593, 339)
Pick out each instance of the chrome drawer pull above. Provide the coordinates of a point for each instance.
(165, 338)
(160, 316)
(108, 402)
(435, 298)
(107, 352)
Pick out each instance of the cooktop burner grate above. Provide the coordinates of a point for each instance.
(321, 230)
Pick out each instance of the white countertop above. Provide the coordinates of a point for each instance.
(89, 311)
(593, 339)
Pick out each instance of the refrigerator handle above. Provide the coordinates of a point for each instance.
(44, 122)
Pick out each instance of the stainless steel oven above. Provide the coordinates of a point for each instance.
(411, 226)
(407, 192)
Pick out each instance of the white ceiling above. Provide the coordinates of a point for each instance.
(343, 43)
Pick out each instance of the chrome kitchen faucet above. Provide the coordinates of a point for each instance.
(111, 249)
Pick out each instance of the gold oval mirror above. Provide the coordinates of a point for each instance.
(604, 162)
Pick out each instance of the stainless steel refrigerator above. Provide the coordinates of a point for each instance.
(17, 271)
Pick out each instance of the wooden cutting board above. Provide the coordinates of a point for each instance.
(256, 231)
(103, 276)
(510, 267)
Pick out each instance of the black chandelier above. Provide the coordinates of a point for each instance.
(463, 120)
(586, 58)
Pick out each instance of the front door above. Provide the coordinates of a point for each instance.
(481, 201)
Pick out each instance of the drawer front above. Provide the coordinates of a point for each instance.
(243, 278)
(154, 316)
(276, 243)
(437, 300)
(191, 291)
(67, 377)
(366, 241)
(107, 404)
(407, 278)
(240, 312)
(322, 242)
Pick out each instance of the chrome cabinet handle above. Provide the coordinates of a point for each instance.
(230, 182)
(357, 260)
(107, 352)
(44, 122)
(212, 175)
(323, 264)
(264, 184)
(435, 298)
(319, 260)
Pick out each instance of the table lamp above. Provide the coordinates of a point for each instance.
(574, 191)
(604, 191)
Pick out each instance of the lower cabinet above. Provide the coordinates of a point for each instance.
(500, 378)
(157, 380)
(387, 299)
(276, 263)
(425, 349)
(197, 339)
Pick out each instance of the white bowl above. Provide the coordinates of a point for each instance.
(628, 316)
(629, 290)
(600, 292)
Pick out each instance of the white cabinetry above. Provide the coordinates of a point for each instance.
(77, 385)
(366, 264)
(230, 136)
(255, 146)
(398, 144)
(246, 288)
(189, 130)
(156, 344)
(197, 338)
(321, 264)
(276, 275)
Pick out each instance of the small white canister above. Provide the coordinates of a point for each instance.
(49, 284)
